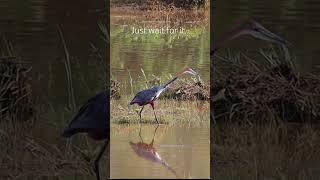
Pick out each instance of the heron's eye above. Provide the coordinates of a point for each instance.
(255, 29)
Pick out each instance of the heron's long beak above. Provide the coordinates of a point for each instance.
(265, 34)
(274, 38)
(192, 72)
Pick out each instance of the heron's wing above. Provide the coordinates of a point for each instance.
(145, 96)
(94, 114)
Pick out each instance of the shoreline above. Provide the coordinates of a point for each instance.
(168, 112)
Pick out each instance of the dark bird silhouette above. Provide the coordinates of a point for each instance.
(148, 96)
(93, 119)
(251, 28)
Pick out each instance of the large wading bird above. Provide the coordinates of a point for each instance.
(148, 96)
(251, 28)
(93, 119)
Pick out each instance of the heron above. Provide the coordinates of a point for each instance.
(93, 119)
(148, 96)
(251, 28)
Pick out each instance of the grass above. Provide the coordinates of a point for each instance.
(168, 112)
(182, 89)
(171, 107)
(154, 14)
(163, 4)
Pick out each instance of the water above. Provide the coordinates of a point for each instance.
(179, 151)
(297, 21)
(158, 55)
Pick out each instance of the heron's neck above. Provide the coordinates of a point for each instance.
(235, 32)
(169, 82)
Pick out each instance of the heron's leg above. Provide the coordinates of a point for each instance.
(140, 113)
(152, 105)
(154, 134)
(96, 162)
(140, 133)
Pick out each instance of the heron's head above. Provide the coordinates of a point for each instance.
(256, 30)
(189, 71)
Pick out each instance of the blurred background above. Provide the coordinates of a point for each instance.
(60, 49)
(264, 128)
(297, 21)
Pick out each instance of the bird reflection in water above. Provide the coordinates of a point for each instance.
(149, 152)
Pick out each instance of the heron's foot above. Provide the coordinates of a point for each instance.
(157, 121)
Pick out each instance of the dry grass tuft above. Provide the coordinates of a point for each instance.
(15, 86)
(160, 14)
(276, 90)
